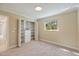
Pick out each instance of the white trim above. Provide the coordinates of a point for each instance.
(36, 30)
(59, 44)
(7, 32)
(19, 32)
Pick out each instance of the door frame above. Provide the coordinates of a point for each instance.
(19, 31)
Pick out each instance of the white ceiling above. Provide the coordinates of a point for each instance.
(28, 9)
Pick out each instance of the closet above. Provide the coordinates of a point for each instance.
(25, 31)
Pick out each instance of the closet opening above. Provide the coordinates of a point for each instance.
(26, 31)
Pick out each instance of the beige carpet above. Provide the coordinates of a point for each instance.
(38, 48)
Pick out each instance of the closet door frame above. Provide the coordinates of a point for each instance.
(19, 31)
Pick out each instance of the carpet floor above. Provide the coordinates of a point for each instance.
(39, 48)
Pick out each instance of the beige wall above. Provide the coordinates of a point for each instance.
(67, 34)
(12, 22)
(13, 30)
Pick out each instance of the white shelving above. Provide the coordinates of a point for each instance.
(27, 36)
(26, 31)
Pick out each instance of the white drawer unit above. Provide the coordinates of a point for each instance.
(27, 36)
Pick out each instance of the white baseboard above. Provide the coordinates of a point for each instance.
(59, 44)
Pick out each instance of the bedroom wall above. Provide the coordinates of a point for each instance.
(66, 36)
(12, 22)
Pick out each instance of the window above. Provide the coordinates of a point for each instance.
(51, 25)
